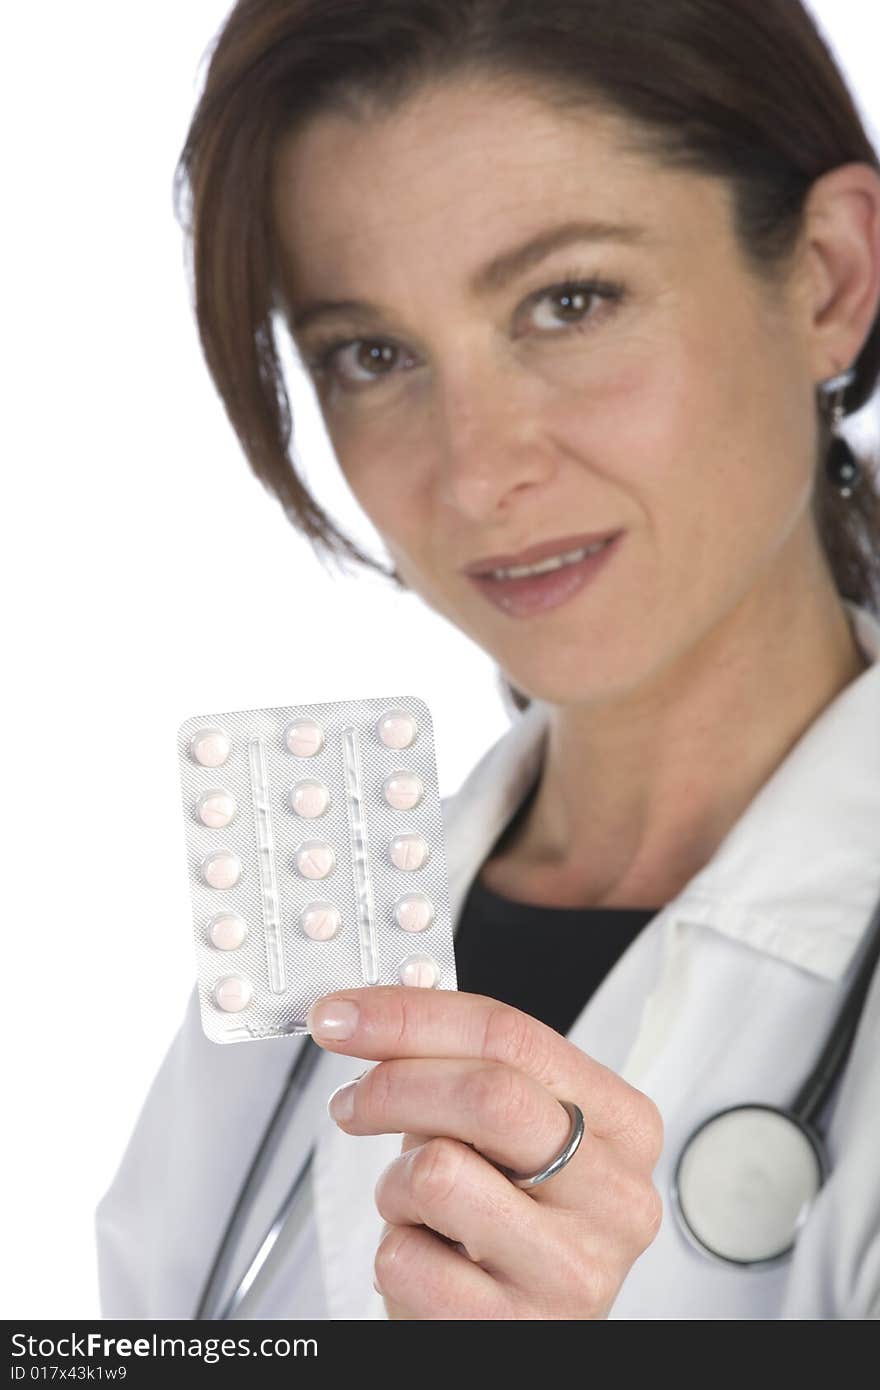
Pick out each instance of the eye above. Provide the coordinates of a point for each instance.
(344, 358)
(574, 298)
(358, 363)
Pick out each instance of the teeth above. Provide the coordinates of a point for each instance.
(553, 562)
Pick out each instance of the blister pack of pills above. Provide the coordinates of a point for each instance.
(316, 858)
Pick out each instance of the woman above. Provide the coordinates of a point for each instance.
(562, 274)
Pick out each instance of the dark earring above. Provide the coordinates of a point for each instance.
(842, 467)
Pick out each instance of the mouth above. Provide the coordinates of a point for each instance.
(523, 590)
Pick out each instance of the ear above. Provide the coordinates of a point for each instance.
(842, 247)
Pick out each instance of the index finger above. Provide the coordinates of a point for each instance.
(381, 1022)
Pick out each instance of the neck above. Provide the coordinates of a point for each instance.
(637, 793)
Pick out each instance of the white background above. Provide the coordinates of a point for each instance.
(125, 491)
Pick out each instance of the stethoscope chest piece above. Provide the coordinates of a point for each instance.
(745, 1182)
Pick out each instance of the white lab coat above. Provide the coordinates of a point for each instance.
(725, 997)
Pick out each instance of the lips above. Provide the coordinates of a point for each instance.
(532, 595)
(561, 545)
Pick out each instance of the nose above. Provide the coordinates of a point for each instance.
(492, 439)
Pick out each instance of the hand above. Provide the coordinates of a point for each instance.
(467, 1079)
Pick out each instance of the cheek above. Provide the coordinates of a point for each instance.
(752, 460)
(641, 433)
(378, 466)
(710, 446)
(372, 462)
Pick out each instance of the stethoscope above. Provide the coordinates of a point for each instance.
(742, 1188)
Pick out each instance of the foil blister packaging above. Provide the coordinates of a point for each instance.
(315, 857)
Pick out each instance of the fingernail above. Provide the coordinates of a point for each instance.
(340, 1106)
(335, 1020)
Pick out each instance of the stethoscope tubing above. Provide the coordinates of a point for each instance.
(297, 1080)
(812, 1095)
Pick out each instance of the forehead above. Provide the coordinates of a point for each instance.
(462, 168)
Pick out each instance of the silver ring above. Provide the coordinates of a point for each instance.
(558, 1163)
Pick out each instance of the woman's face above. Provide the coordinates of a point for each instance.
(477, 414)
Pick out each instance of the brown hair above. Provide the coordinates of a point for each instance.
(743, 90)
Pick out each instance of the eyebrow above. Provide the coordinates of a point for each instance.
(496, 274)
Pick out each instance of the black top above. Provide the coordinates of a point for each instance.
(547, 961)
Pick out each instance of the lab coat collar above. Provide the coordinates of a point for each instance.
(798, 874)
